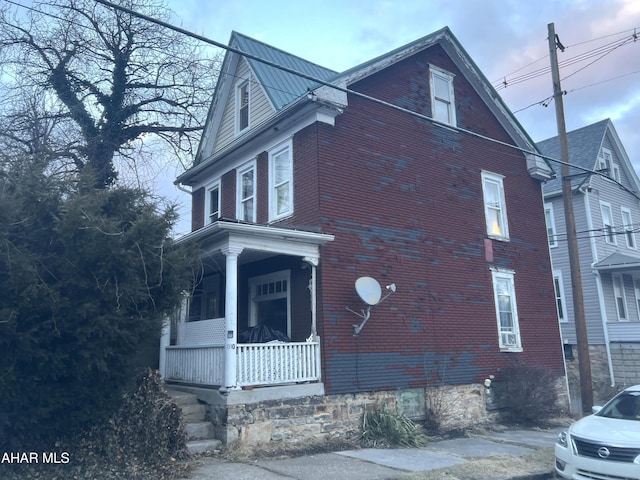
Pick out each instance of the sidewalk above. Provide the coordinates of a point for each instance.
(389, 464)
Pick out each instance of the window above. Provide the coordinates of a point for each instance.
(627, 224)
(269, 301)
(443, 106)
(281, 181)
(607, 223)
(242, 106)
(558, 287)
(494, 206)
(506, 310)
(618, 293)
(605, 162)
(246, 194)
(213, 203)
(636, 290)
(551, 224)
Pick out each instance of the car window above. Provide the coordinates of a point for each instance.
(625, 406)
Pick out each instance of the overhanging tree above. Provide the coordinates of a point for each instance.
(87, 278)
(110, 82)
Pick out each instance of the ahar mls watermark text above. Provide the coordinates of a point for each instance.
(35, 457)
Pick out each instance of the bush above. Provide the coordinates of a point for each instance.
(528, 394)
(147, 428)
(145, 439)
(384, 425)
(87, 278)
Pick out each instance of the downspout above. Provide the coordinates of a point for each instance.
(603, 312)
(182, 189)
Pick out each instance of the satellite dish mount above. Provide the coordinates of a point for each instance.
(370, 292)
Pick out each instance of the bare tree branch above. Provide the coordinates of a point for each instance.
(110, 79)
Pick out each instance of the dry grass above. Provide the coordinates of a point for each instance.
(500, 466)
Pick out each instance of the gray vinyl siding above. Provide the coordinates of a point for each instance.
(260, 108)
(560, 261)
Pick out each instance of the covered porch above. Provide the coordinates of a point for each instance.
(252, 277)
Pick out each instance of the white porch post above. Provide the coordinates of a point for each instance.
(231, 316)
(313, 261)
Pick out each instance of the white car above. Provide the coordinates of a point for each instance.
(605, 445)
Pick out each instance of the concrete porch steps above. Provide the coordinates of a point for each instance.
(200, 433)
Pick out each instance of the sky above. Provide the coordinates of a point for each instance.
(507, 39)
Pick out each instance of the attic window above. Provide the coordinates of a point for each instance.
(243, 106)
(605, 162)
(443, 106)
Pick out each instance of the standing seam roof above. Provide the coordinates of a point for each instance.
(281, 87)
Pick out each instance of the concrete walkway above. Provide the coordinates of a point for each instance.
(384, 464)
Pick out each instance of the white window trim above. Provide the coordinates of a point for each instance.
(636, 290)
(552, 238)
(239, 200)
(241, 83)
(273, 203)
(268, 278)
(628, 228)
(509, 275)
(606, 162)
(619, 292)
(208, 190)
(615, 171)
(498, 179)
(612, 240)
(448, 77)
(557, 275)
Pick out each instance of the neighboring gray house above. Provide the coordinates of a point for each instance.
(607, 212)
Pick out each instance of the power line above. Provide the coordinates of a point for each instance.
(601, 50)
(346, 90)
(326, 83)
(498, 82)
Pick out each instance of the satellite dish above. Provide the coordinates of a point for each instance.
(369, 290)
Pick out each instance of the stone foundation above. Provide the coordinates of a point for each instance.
(302, 413)
(600, 378)
(625, 358)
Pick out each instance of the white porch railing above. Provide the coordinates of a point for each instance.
(199, 358)
(200, 364)
(277, 363)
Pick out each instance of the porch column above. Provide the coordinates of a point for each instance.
(231, 316)
(313, 261)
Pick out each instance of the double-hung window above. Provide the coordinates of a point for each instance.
(242, 106)
(606, 162)
(495, 208)
(551, 224)
(281, 182)
(627, 224)
(618, 293)
(607, 223)
(506, 310)
(443, 107)
(213, 203)
(246, 193)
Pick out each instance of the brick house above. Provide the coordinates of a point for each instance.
(406, 174)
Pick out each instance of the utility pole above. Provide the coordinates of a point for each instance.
(584, 360)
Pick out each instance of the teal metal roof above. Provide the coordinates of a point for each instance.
(281, 87)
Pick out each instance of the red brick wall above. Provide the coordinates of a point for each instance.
(262, 188)
(228, 195)
(404, 199)
(197, 209)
